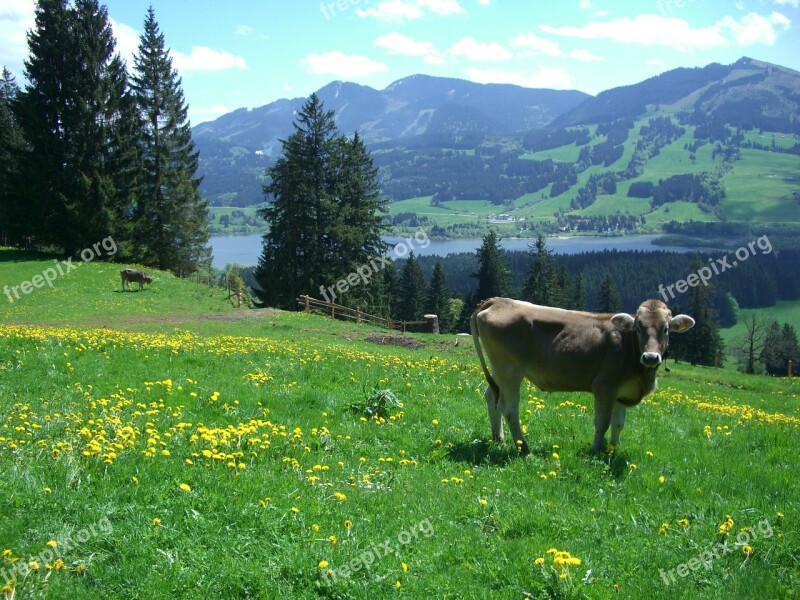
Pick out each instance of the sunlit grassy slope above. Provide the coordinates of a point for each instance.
(156, 445)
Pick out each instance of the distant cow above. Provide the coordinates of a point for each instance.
(613, 356)
(134, 275)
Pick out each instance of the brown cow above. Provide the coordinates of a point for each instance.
(136, 276)
(613, 356)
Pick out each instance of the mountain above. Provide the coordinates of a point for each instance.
(443, 144)
(747, 94)
(408, 107)
(235, 149)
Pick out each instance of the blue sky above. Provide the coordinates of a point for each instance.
(246, 53)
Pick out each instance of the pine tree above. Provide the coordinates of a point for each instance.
(492, 275)
(325, 219)
(702, 345)
(608, 299)
(437, 298)
(71, 113)
(171, 218)
(410, 304)
(543, 285)
(11, 145)
(577, 297)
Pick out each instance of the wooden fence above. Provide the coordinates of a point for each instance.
(337, 311)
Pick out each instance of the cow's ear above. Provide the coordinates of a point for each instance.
(623, 321)
(681, 323)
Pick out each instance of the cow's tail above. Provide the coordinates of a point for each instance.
(473, 325)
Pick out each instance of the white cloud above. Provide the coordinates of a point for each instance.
(199, 115)
(244, 30)
(545, 77)
(485, 2)
(16, 18)
(442, 7)
(392, 10)
(204, 58)
(408, 10)
(671, 32)
(755, 28)
(127, 41)
(531, 45)
(397, 43)
(585, 4)
(792, 3)
(468, 48)
(584, 55)
(342, 65)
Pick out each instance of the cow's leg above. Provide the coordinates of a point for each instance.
(603, 407)
(509, 404)
(495, 417)
(617, 422)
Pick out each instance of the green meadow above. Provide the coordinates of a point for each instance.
(163, 444)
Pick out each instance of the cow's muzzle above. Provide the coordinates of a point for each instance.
(650, 359)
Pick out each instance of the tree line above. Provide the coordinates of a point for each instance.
(90, 150)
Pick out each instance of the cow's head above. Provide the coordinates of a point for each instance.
(149, 279)
(652, 325)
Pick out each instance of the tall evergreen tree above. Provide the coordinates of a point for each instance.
(492, 275)
(171, 219)
(702, 345)
(577, 295)
(543, 285)
(71, 113)
(325, 219)
(410, 304)
(437, 298)
(608, 299)
(11, 145)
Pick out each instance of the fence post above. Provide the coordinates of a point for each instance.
(308, 306)
(358, 314)
(433, 323)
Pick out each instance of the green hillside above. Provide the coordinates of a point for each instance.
(160, 444)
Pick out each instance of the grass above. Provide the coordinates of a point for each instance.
(190, 450)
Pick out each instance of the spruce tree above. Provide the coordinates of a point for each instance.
(325, 218)
(437, 298)
(543, 285)
(11, 145)
(702, 345)
(577, 296)
(608, 299)
(171, 220)
(492, 275)
(71, 113)
(410, 304)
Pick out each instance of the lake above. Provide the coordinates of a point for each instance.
(245, 249)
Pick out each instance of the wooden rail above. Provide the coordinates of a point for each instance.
(335, 311)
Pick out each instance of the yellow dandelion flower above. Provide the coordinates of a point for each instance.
(52, 543)
(185, 487)
(135, 480)
(683, 522)
(323, 563)
(333, 539)
(539, 561)
(348, 524)
(661, 480)
(397, 584)
(33, 565)
(748, 550)
(156, 522)
(47, 490)
(404, 566)
(295, 510)
(483, 501)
